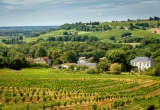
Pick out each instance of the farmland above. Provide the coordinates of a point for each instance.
(61, 89)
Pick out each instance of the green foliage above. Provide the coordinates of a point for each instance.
(115, 68)
(116, 56)
(41, 52)
(92, 71)
(103, 65)
(112, 38)
(94, 107)
(128, 34)
(118, 103)
(157, 69)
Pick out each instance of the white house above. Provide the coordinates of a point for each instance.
(142, 63)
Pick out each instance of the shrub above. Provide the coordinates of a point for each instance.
(6, 99)
(92, 71)
(94, 107)
(115, 68)
(27, 107)
(65, 103)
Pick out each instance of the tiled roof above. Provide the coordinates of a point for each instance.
(143, 59)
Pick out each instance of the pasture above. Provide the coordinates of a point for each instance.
(65, 90)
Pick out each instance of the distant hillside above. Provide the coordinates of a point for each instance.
(111, 32)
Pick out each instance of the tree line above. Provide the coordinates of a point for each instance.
(73, 38)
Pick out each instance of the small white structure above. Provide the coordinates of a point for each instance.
(67, 65)
(83, 61)
(142, 63)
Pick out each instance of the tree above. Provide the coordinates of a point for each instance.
(21, 38)
(116, 56)
(147, 52)
(41, 52)
(131, 27)
(103, 65)
(92, 38)
(55, 55)
(121, 27)
(65, 33)
(157, 69)
(69, 56)
(156, 54)
(112, 38)
(115, 68)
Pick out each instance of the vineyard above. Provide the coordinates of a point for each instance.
(48, 89)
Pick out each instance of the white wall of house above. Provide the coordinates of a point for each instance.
(141, 65)
(83, 61)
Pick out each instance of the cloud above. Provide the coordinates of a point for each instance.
(23, 2)
(99, 14)
(150, 2)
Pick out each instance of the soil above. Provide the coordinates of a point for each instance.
(155, 30)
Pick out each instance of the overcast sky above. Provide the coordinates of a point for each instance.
(57, 12)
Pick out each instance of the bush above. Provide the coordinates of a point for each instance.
(115, 68)
(112, 72)
(94, 107)
(92, 71)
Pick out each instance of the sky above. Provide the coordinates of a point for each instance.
(58, 12)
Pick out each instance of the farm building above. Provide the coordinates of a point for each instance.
(142, 63)
(45, 60)
(83, 61)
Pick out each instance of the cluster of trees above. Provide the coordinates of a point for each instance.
(73, 38)
(127, 34)
(133, 40)
(154, 18)
(83, 27)
(93, 23)
(142, 24)
(150, 40)
(142, 40)
(13, 40)
(60, 52)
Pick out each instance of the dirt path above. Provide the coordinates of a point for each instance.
(140, 86)
(153, 93)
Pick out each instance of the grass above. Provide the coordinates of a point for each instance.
(61, 89)
(102, 35)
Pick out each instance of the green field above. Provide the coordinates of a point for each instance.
(38, 89)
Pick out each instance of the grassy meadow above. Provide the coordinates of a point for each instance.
(52, 89)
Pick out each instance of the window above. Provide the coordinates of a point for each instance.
(147, 64)
(132, 63)
(139, 64)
